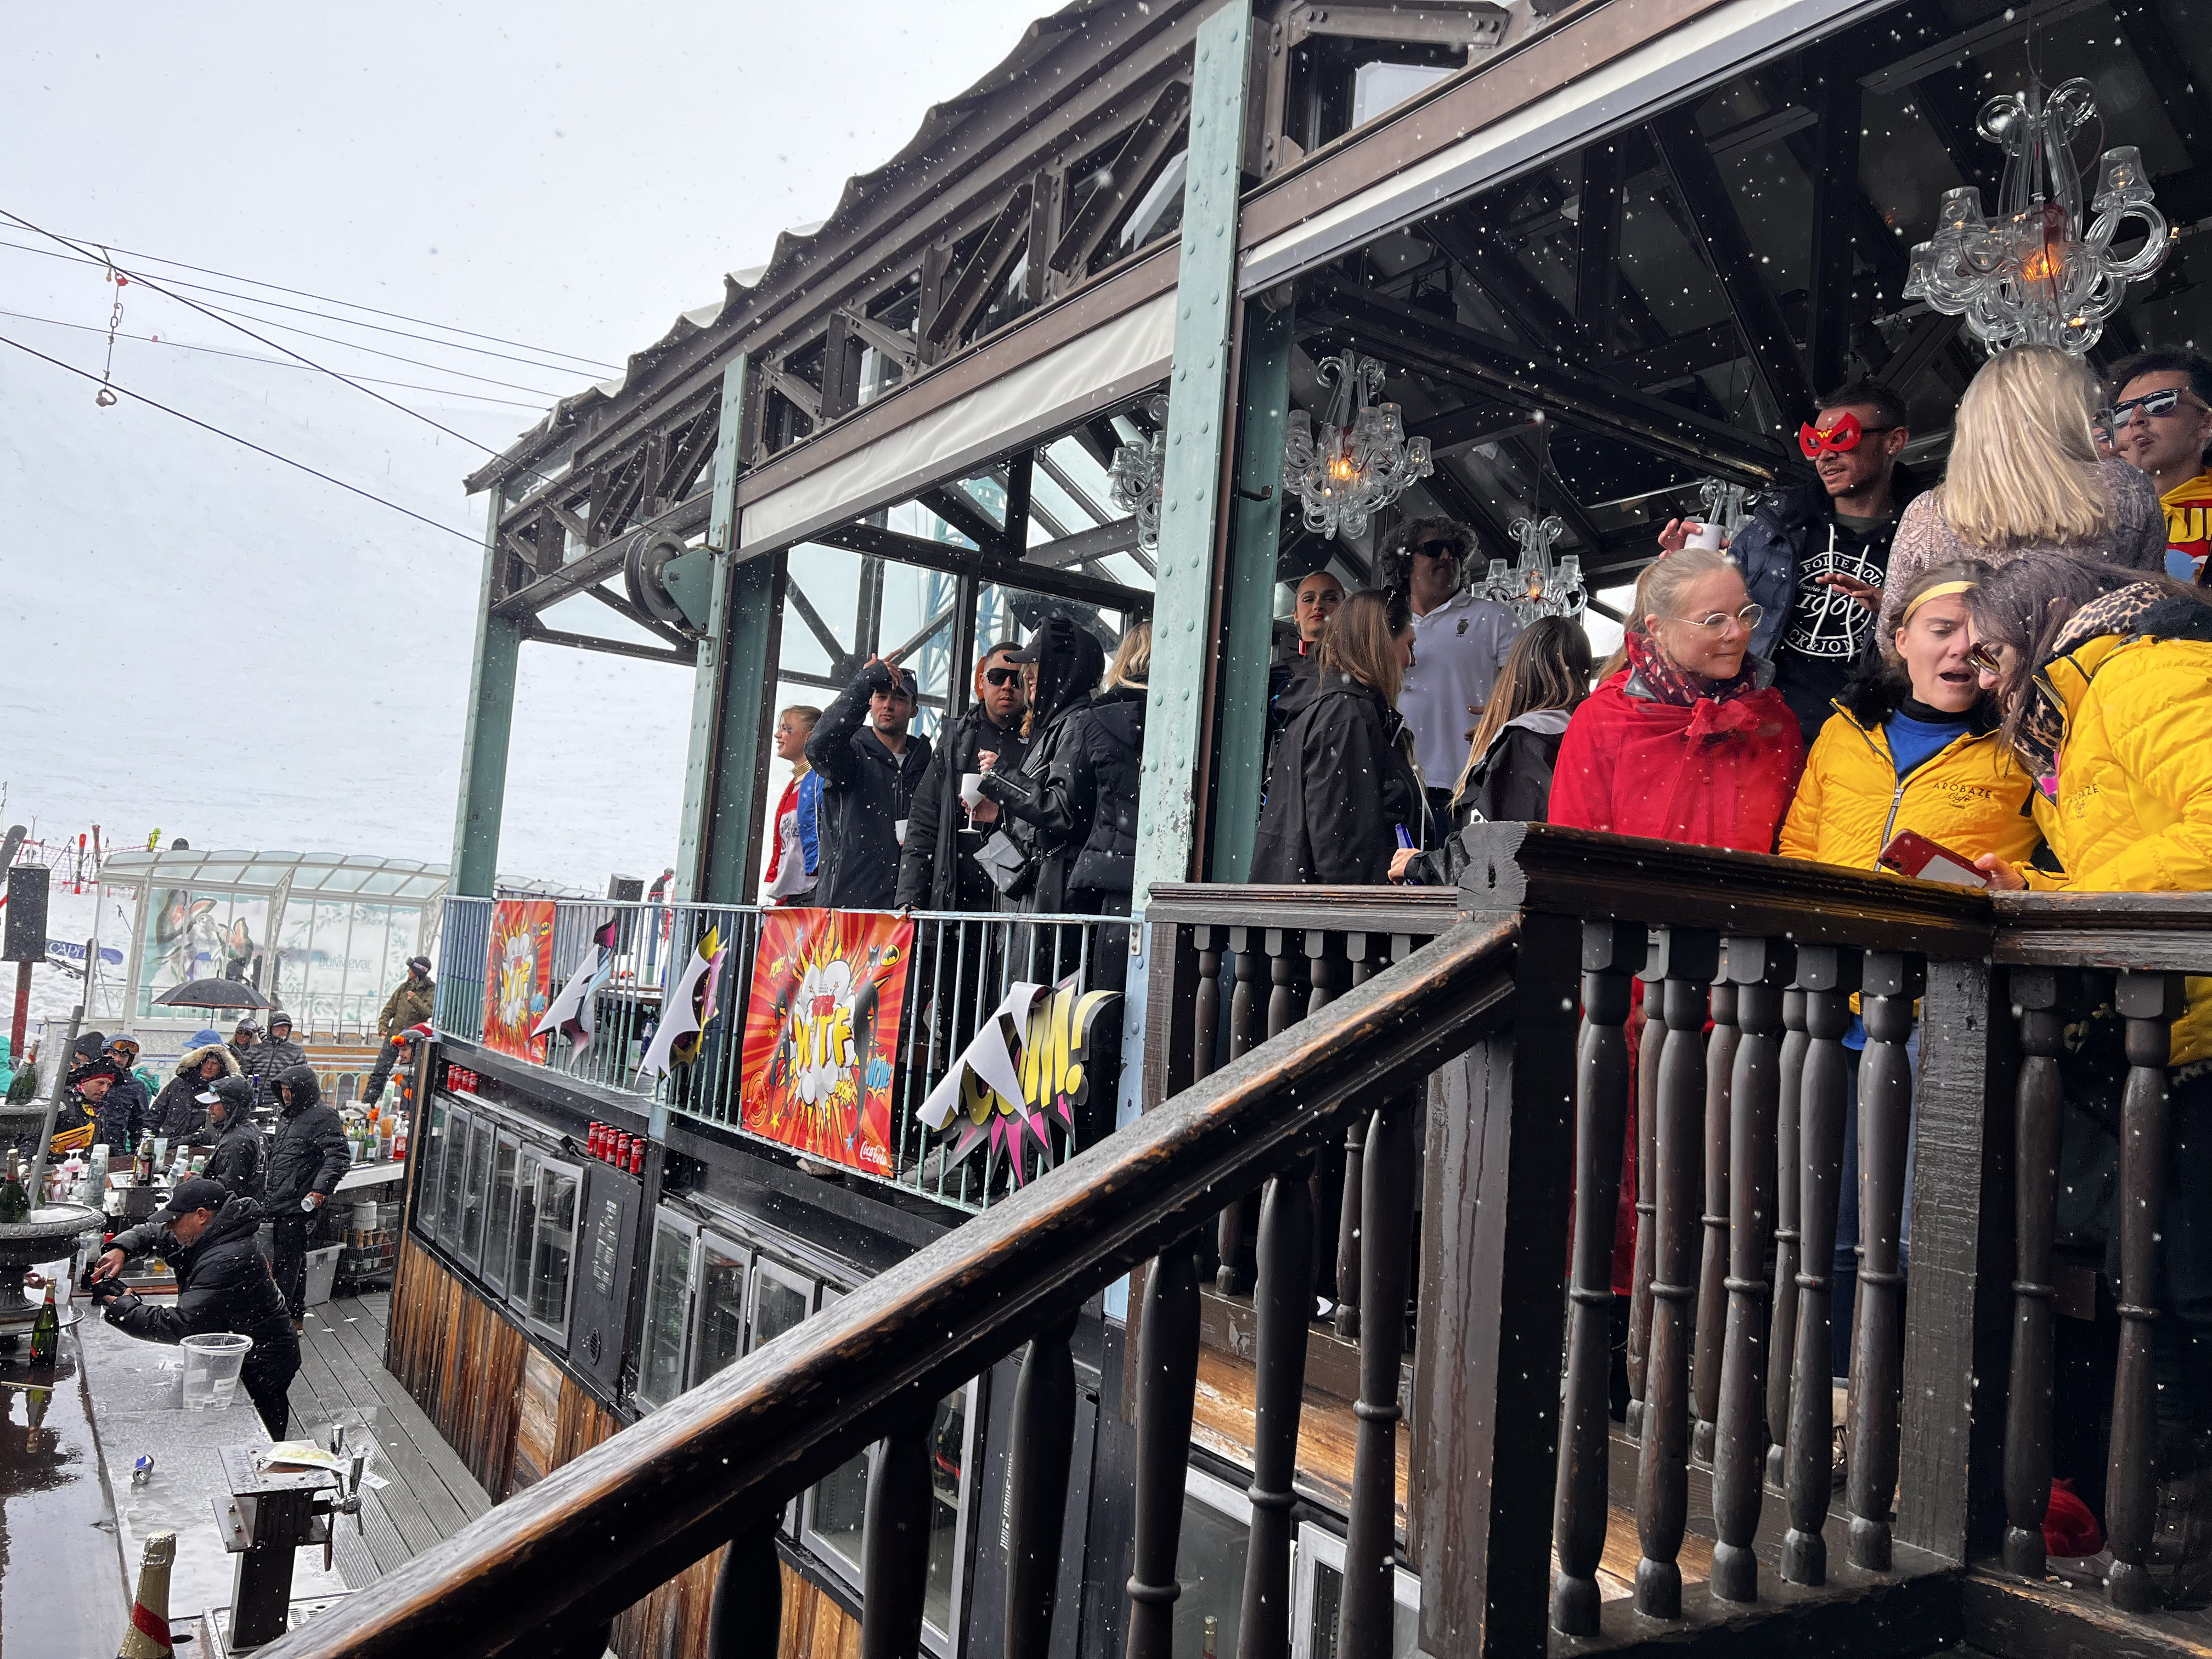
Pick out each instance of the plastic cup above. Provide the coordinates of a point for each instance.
(1707, 536)
(212, 1364)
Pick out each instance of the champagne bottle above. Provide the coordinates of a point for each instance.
(14, 1202)
(46, 1330)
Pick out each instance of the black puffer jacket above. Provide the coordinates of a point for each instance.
(177, 1114)
(1075, 803)
(239, 1159)
(122, 1116)
(275, 1057)
(1343, 786)
(868, 792)
(223, 1283)
(937, 869)
(309, 1151)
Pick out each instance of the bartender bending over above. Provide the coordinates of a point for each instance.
(223, 1284)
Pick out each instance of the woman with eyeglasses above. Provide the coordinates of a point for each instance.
(2024, 478)
(1345, 793)
(1684, 738)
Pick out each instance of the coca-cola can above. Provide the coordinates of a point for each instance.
(637, 1155)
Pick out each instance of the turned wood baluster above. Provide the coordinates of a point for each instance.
(1758, 969)
(1285, 949)
(2048, 999)
(748, 1595)
(1325, 974)
(2150, 1003)
(1827, 973)
(894, 1539)
(1367, 952)
(1042, 1438)
(1167, 1384)
(1783, 1333)
(1687, 956)
(1713, 1266)
(1650, 1040)
(1205, 1009)
(1888, 986)
(1612, 953)
(1364, 1616)
(1283, 1300)
(1245, 1012)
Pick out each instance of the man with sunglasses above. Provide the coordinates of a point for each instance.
(935, 871)
(1460, 643)
(2160, 423)
(1816, 551)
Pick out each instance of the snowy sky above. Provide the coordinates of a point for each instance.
(195, 638)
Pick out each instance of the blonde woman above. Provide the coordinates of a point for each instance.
(2024, 477)
(1345, 794)
(794, 862)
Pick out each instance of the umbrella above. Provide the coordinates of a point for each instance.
(212, 994)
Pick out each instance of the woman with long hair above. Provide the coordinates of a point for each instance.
(1686, 738)
(1509, 759)
(794, 861)
(1345, 793)
(2024, 477)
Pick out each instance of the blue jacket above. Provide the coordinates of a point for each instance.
(1776, 536)
(810, 832)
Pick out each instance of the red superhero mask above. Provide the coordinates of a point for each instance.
(1839, 438)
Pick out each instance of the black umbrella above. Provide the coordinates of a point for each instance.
(212, 994)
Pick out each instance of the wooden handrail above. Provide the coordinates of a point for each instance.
(600, 1532)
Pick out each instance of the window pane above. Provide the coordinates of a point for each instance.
(782, 1306)
(499, 1244)
(1210, 1562)
(660, 1369)
(556, 1225)
(948, 1452)
(841, 1506)
(525, 1228)
(472, 1196)
(722, 1307)
(426, 1184)
(453, 1168)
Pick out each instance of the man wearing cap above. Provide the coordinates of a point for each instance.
(83, 1106)
(237, 1157)
(277, 1051)
(411, 1003)
(209, 1237)
(869, 775)
(307, 1156)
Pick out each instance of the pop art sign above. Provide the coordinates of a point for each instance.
(518, 976)
(1028, 1072)
(822, 1030)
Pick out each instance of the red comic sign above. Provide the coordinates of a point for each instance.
(518, 976)
(822, 1030)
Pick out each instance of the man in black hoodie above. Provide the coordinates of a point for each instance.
(210, 1238)
(238, 1157)
(306, 1158)
(869, 775)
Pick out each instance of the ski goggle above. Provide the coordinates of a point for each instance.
(1838, 440)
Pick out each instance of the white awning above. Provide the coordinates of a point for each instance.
(1113, 363)
(1665, 72)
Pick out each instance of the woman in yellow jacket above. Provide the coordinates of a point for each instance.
(1913, 746)
(2104, 676)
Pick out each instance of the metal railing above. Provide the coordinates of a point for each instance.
(959, 971)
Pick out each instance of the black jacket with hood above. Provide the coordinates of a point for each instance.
(239, 1159)
(1510, 784)
(123, 1115)
(937, 866)
(868, 792)
(223, 1283)
(1037, 798)
(1343, 784)
(177, 1112)
(308, 1153)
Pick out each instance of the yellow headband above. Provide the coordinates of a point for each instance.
(1941, 591)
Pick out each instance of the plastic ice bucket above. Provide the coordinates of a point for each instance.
(212, 1364)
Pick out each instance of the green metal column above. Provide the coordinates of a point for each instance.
(725, 770)
(1251, 589)
(490, 725)
(1184, 628)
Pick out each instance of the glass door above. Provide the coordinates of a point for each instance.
(667, 1312)
(452, 1175)
(429, 1158)
(499, 1236)
(476, 1190)
(553, 1258)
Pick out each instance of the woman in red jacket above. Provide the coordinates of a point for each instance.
(1684, 739)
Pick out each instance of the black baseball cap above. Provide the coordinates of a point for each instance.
(193, 1193)
(903, 679)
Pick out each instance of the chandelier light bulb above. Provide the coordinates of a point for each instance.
(1361, 461)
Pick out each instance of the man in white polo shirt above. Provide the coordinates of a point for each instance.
(1459, 643)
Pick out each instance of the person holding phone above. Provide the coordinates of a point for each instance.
(1912, 748)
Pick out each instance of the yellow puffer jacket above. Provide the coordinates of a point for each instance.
(2133, 808)
(1968, 797)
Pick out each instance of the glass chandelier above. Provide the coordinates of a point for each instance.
(1361, 461)
(2033, 275)
(1536, 587)
(1135, 478)
(1727, 505)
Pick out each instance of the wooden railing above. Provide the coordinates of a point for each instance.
(1515, 1015)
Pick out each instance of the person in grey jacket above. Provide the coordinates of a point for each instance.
(277, 1051)
(307, 1156)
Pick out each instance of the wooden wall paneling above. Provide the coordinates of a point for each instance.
(537, 1412)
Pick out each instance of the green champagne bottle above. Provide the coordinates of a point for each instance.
(14, 1202)
(46, 1330)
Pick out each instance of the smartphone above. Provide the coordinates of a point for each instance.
(1909, 853)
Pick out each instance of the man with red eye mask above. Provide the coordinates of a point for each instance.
(1815, 552)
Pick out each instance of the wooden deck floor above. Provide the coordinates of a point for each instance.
(428, 1493)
